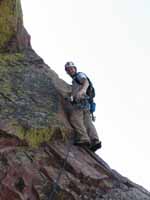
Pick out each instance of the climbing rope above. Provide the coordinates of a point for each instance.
(55, 185)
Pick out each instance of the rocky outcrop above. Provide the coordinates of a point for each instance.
(13, 36)
(28, 173)
(31, 104)
(37, 158)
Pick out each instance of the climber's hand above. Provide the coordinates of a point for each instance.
(69, 98)
(80, 94)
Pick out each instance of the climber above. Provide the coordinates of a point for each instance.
(80, 118)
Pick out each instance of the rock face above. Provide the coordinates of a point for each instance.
(37, 158)
(13, 36)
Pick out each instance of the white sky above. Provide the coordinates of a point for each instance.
(109, 40)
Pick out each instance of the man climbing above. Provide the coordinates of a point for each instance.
(80, 119)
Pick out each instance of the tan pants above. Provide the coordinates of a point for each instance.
(83, 126)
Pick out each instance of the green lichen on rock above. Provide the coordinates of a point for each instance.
(10, 13)
(29, 101)
(10, 58)
(9, 63)
(19, 10)
(34, 137)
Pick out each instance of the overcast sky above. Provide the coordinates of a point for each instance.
(109, 41)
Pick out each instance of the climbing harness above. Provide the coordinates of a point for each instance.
(83, 104)
(55, 186)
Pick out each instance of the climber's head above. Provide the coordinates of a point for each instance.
(70, 68)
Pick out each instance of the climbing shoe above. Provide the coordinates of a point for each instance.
(95, 145)
(82, 143)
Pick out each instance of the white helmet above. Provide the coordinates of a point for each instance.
(69, 64)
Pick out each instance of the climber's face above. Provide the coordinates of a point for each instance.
(71, 70)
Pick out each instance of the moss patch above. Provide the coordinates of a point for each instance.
(5, 59)
(10, 13)
(34, 137)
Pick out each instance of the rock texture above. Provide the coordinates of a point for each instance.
(35, 133)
